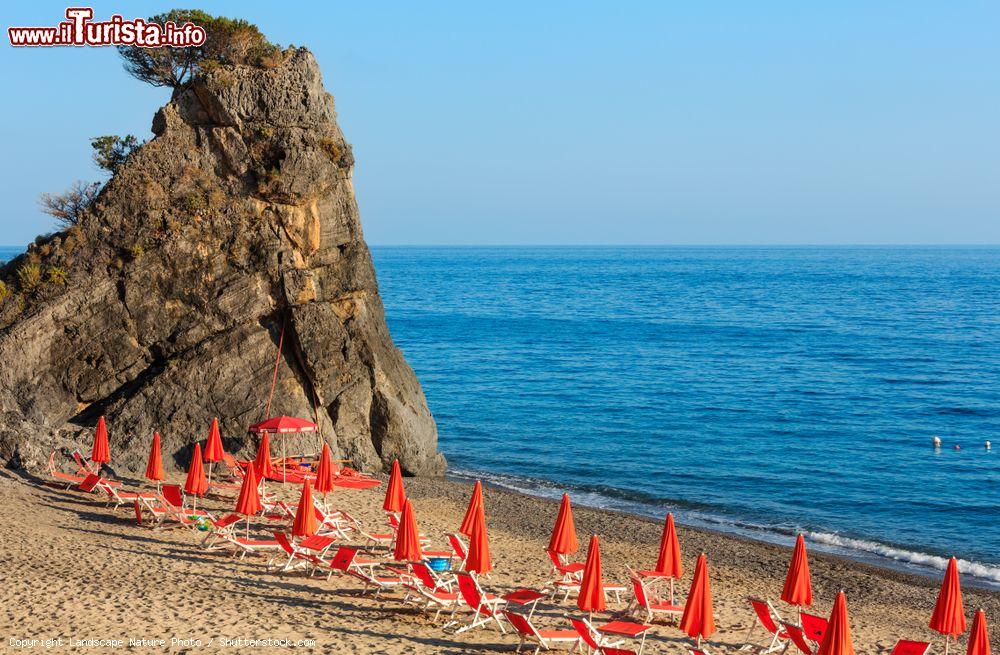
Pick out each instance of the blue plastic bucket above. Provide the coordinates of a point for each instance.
(439, 563)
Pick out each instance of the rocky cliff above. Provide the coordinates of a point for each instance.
(164, 306)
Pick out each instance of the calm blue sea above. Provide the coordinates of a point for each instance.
(761, 391)
(757, 390)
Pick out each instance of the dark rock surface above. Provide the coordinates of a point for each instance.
(237, 219)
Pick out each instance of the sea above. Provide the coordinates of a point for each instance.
(760, 391)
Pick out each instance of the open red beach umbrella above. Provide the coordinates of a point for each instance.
(471, 514)
(407, 537)
(949, 613)
(591, 598)
(563, 540)
(324, 472)
(100, 453)
(154, 468)
(798, 585)
(395, 495)
(196, 484)
(698, 620)
(283, 425)
(263, 460)
(979, 640)
(305, 516)
(248, 502)
(478, 558)
(837, 638)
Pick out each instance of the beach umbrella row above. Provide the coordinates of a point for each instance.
(697, 620)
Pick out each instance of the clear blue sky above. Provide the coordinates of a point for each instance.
(597, 123)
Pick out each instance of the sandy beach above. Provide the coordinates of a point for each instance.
(73, 570)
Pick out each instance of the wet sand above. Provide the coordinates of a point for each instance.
(72, 569)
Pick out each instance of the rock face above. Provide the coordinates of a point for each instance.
(164, 306)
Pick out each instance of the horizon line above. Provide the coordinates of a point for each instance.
(658, 245)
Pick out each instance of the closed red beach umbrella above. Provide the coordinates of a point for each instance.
(196, 484)
(949, 613)
(798, 584)
(324, 472)
(837, 638)
(563, 540)
(698, 620)
(979, 640)
(154, 468)
(100, 453)
(213, 446)
(591, 597)
(669, 561)
(263, 460)
(472, 513)
(407, 537)
(305, 516)
(395, 495)
(248, 502)
(478, 559)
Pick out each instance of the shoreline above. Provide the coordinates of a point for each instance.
(818, 542)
